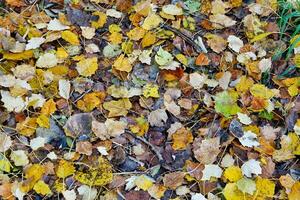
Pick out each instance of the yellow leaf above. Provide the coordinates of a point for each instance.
(59, 185)
(4, 165)
(151, 90)
(152, 21)
(295, 191)
(32, 175)
(293, 90)
(265, 188)
(233, 173)
(127, 47)
(101, 19)
(98, 176)
(115, 38)
(231, 192)
(182, 59)
(90, 101)
(60, 70)
(48, 108)
(141, 127)
(261, 91)
(61, 53)
(27, 127)
(136, 34)
(117, 108)
(70, 37)
(181, 138)
(65, 169)
(87, 67)
(18, 56)
(260, 37)
(43, 121)
(144, 182)
(149, 39)
(42, 188)
(114, 28)
(244, 84)
(122, 64)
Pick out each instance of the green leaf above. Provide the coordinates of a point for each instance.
(163, 57)
(225, 103)
(246, 185)
(192, 5)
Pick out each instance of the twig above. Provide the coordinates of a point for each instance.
(153, 148)
(184, 37)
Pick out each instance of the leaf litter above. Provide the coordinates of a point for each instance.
(149, 99)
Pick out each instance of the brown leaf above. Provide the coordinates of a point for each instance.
(173, 180)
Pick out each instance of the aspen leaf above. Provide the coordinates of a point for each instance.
(136, 33)
(152, 21)
(64, 88)
(117, 108)
(70, 37)
(98, 176)
(151, 90)
(122, 64)
(101, 20)
(211, 171)
(42, 188)
(87, 66)
(43, 121)
(144, 182)
(48, 108)
(246, 185)
(18, 56)
(233, 173)
(19, 157)
(65, 169)
(171, 9)
(181, 138)
(149, 39)
(90, 101)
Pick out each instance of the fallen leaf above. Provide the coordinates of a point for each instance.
(182, 138)
(64, 88)
(117, 108)
(122, 64)
(211, 171)
(251, 167)
(87, 66)
(158, 117)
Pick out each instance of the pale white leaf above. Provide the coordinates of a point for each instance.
(88, 32)
(87, 192)
(249, 139)
(244, 119)
(64, 88)
(113, 13)
(37, 143)
(172, 9)
(47, 60)
(56, 25)
(265, 64)
(69, 194)
(251, 167)
(235, 43)
(19, 157)
(158, 117)
(16, 104)
(5, 142)
(34, 43)
(211, 171)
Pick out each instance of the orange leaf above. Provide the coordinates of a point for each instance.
(202, 60)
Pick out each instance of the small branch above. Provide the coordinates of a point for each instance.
(153, 148)
(184, 37)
